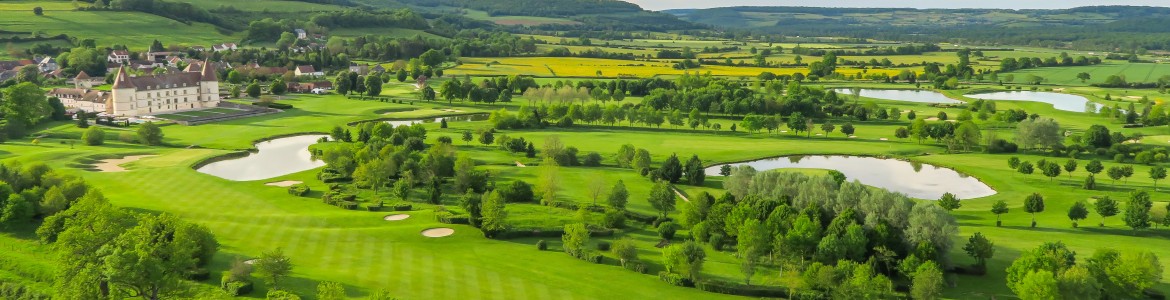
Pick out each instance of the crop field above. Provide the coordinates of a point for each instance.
(266, 5)
(588, 67)
(1133, 72)
(107, 27)
(515, 20)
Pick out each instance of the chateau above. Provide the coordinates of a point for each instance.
(196, 87)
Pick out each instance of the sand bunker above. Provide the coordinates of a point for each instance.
(519, 164)
(397, 217)
(250, 262)
(438, 232)
(114, 165)
(883, 139)
(286, 183)
(932, 119)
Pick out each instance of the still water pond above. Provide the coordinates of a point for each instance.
(462, 118)
(902, 95)
(277, 157)
(1065, 102)
(917, 180)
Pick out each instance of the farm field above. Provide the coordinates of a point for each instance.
(109, 27)
(588, 67)
(1132, 72)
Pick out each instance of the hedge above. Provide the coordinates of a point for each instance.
(348, 205)
(541, 245)
(636, 266)
(238, 288)
(451, 218)
(374, 206)
(402, 207)
(732, 288)
(640, 217)
(199, 274)
(553, 232)
(273, 105)
(675, 279)
(299, 190)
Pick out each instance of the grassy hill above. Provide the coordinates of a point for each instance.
(1099, 27)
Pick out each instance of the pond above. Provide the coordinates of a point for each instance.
(1065, 102)
(460, 118)
(277, 157)
(917, 180)
(922, 96)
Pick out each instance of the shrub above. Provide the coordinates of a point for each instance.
(199, 274)
(541, 245)
(348, 205)
(127, 137)
(666, 230)
(94, 136)
(636, 266)
(614, 219)
(299, 190)
(238, 288)
(273, 105)
(593, 159)
(402, 207)
(518, 192)
(374, 206)
(716, 241)
(451, 218)
(675, 279)
(445, 140)
(602, 246)
(732, 288)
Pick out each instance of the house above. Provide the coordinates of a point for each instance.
(83, 80)
(360, 69)
(307, 70)
(160, 56)
(310, 87)
(378, 69)
(56, 74)
(146, 95)
(6, 65)
(301, 34)
(118, 56)
(47, 64)
(224, 47)
(83, 98)
(198, 48)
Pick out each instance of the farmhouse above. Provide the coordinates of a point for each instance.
(83, 80)
(301, 34)
(224, 47)
(47, 64)
(308, 70)
(82, 98)
(118, 57)
(135, 96)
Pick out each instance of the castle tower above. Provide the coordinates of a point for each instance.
(208, 86)
(123, 95)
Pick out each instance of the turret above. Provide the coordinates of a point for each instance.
(208, 85)
(123, 95)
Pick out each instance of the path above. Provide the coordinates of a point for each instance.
(679, 193)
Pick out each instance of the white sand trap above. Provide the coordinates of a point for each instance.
(883, 139)
(397, 217)
(784, 131)
(115, 165)
(250, 262)
(853, 136)
(931, 119)
(819, 134)
(519, 164)
(286, 183)
(438, 232)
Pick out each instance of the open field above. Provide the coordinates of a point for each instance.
(588, 67)
(1133, 72)
(133, 29)
(266, 5)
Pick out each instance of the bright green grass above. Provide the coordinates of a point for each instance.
(266, 5)
(1133, 72)
(359, 249)
(384, 32)
(133, 29)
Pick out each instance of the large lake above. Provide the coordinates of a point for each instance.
(922, 181)
(902, 95)
(1065, 102)
(277, 157)
(460, 118)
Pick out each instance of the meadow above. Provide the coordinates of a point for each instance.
(133, 29)
(589, 67)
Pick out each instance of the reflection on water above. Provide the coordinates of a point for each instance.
(277, 157)
(914, 179)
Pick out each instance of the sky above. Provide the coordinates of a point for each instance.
(1013, 4)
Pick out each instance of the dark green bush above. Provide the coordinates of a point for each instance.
(716, 241)
(731, 288)
(541, 245)
(451, 218)
(402, 207)
(199, 274)
(374, 206)
(299, 190)
(635, 266)
(348, 205)
(603, 246)
(675, 279)
(666, 230)
(614, 219)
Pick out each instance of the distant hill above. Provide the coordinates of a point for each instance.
(578, 14)
(1090, 27)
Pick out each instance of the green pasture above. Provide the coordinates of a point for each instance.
(133, 29)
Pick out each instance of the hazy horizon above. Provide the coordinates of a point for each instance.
(1007, 4)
